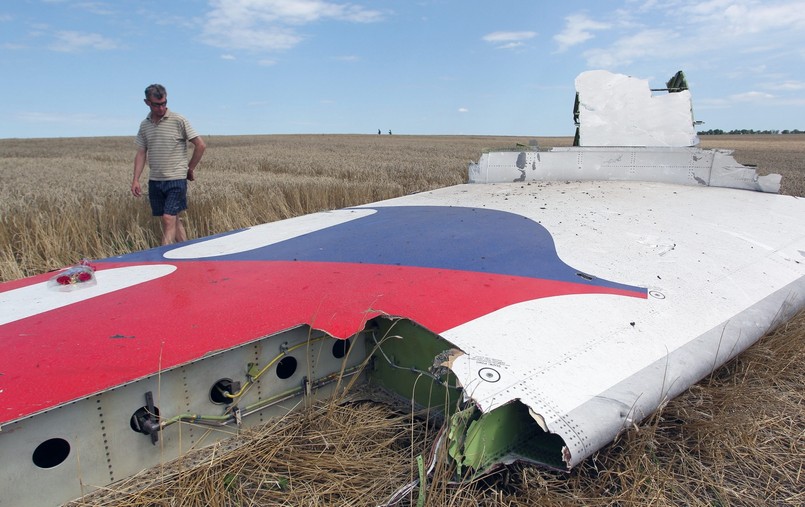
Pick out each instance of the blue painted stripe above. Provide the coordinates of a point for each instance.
(456, 238)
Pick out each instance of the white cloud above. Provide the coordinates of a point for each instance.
(258, 39)
(498, 37)
(689, 28)
(463, 110)
(68, 42)
(751, 97)
(294, 11)
(511, 45)
(627, 49)
(100, 8)
(737, 18)
(578, 29)
(228, 57)
(508, 40)
(508, 36)
(269, 25)
(788, 86)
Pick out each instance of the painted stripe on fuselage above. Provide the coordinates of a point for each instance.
(264, 235)
(456, 238)
(439, 266)
(39, 298)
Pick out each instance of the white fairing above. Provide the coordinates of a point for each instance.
(626, 134)
(619, 110)
(721, 268)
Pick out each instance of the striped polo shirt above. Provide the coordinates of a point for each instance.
(166, 146)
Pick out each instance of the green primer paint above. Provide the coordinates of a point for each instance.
(476, 441)
(412, 350)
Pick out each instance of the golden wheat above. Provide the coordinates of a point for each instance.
(65, 199)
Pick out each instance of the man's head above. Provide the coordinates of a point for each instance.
(157, 99)
(155, 91)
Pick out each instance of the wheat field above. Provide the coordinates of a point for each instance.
(62, 200)
(735, 439)
(65, 199)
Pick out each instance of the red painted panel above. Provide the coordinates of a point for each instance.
(205, 306)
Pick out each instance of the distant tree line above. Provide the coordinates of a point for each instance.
(719, 132)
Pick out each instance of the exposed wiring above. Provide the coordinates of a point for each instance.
(256, 376)
(410, 369)
(223, 420)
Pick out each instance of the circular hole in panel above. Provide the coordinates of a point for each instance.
(51, 453)
(286, 367)
(140, 416)
(340, 348)
(219, 390)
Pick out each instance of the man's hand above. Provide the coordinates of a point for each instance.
(139, 164)
(190, 175)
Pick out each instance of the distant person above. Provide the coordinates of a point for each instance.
(162, 140)
(389, 131)
(378, 131)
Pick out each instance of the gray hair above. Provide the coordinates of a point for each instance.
(155, 91)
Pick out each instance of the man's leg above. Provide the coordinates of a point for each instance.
(172, 229)
(175, 202)
(169, 233)
(180, 233)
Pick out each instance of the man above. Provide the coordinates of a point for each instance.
(162, 140)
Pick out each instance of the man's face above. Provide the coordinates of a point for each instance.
(158, 106)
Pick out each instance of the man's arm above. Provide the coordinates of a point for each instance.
(198, 150)
(139, 164)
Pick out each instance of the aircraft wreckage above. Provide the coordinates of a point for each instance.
(543, 311)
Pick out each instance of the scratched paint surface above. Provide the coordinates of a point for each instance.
(437, 265)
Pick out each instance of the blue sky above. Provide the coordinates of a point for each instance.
(79, 68)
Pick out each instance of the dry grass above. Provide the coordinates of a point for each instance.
(735, 439)
(329, 454)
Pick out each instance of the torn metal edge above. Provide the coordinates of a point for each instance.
(680, 165)
(417, 365)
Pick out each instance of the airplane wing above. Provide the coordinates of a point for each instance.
(565, 310)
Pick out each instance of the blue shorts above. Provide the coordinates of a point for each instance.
(167, 197)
